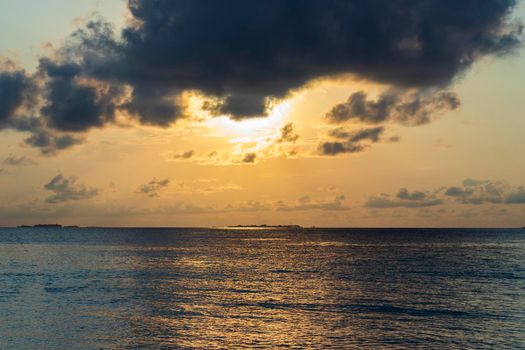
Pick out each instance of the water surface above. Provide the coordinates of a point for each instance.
(216, 288)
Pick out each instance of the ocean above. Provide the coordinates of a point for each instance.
(198, 288)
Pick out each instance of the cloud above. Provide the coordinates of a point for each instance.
(153, 187)
(50, 142)
(471, 192)
(406, 108)
(151, 105)
(288, 134)
(414, 196)
(473, 182)
(404, 199)
(16, 161)
(252, 149)
(47, 140)
(67, 189)
(184, 155)
(15, 87)
(335, 148)
(19, 99)
(353, 140)
(382, 202)
(306, 203)
(457, 192)
(371, 134)
(72, 104)
(238, 106)
(516, 197)
(249, 158)
(479, 192)
(249, 206)
(246, 54)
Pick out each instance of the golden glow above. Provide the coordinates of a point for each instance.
(218, 184)
(251, 128)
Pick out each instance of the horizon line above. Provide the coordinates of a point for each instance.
(265, 227)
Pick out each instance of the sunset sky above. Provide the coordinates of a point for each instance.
(188, 113)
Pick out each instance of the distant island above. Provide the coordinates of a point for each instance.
(267, 226)
(47, 226)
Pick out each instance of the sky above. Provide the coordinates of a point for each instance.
(318, 113)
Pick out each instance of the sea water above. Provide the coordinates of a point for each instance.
(101, 288)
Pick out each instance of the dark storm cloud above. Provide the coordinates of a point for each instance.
(238, 106)
(67, 189)
(245, 54)
(407, 108)
(152, 188)
(349, 141)
(153, 106)
(18, 95)
(59, 97)
(47, 140)
(72, 106)
(14, 89)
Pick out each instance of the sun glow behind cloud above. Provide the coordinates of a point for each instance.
(251, 128)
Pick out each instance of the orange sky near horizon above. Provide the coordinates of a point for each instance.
(207, 170)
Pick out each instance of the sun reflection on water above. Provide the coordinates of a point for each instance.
(224, 289)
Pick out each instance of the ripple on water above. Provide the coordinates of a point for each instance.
(344, 289)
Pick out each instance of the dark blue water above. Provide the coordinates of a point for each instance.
(231, 289)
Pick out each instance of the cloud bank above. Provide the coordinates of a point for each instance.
(244, 55)
(404, 199)
(472, 192)
(406, 108)
(478, 192)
